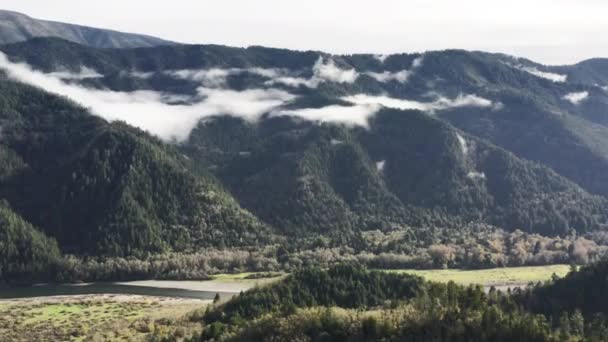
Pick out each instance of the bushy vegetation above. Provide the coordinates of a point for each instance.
(25, 252)
(313, 309)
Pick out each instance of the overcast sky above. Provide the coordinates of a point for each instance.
(548, 31)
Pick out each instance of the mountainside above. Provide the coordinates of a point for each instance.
(527, 110)
(265, 146)
(17, 27)
(108, 189)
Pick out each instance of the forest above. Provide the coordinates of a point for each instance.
(350, 303)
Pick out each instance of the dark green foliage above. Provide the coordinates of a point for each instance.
(109, 189)
(343, 286)
(26, 254)
(582, 290)
(324, 178)
(310, 305)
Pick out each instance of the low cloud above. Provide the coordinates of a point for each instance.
(558, 78)
(84, 73)
(216, 77)
(172, 116)
(387, 76)
(417, 62)
(294, 82)
(380, 165)
(356, 115)
(476, 175)
(576, 97)
(441, 103)
(381, 58)
(400, 76)
(329, 71)
(149, 110)
(323, 71)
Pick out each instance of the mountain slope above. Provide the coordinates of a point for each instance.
(26, 252)
(407, 169)
(529, 115)
(109, 189)
(408, 144)
(16, 27)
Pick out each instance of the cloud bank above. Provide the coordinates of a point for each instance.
(172, 117)
(387, 76)
(84, 73)
(441, 103)
(217, 77)
(149, 110)
(356, 115)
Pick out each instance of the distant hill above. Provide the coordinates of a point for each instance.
(16, 27)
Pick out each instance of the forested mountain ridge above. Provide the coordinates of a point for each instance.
(109, 189)
(16, 27)
(528, 112)
(306, 149)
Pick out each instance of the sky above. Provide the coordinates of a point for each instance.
(547, 31)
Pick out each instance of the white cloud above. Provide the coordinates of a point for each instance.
(400, 76)
(390, 102)
(440, 103)
(138, 74)
(323, 71)
(387, 76)
(334, 142)
(357, 115)
(216, 77)
(576, 97)
(294, 81)
(329, 71)
(208, 77)
(147, 109)
(381, 58)
(605, 88)
(544, 74)
(417, 62)
(84, 73)
(469, 100)
(380, 165)
(463, 144)
(476, 175)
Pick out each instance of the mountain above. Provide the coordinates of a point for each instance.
(301, 148)
(16, 27)
(532, 117)
(108, 189)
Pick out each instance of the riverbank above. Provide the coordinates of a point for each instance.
(97, 317)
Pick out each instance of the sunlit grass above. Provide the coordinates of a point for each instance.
(494, 276)
(81, 320)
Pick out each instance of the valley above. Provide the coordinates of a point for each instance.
(137, 310)
(158, 191)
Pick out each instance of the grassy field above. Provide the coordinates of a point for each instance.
(494, 276)
(486, 277)
(245, 276)
(97, 318)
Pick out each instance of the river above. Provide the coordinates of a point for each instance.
(159, 288)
